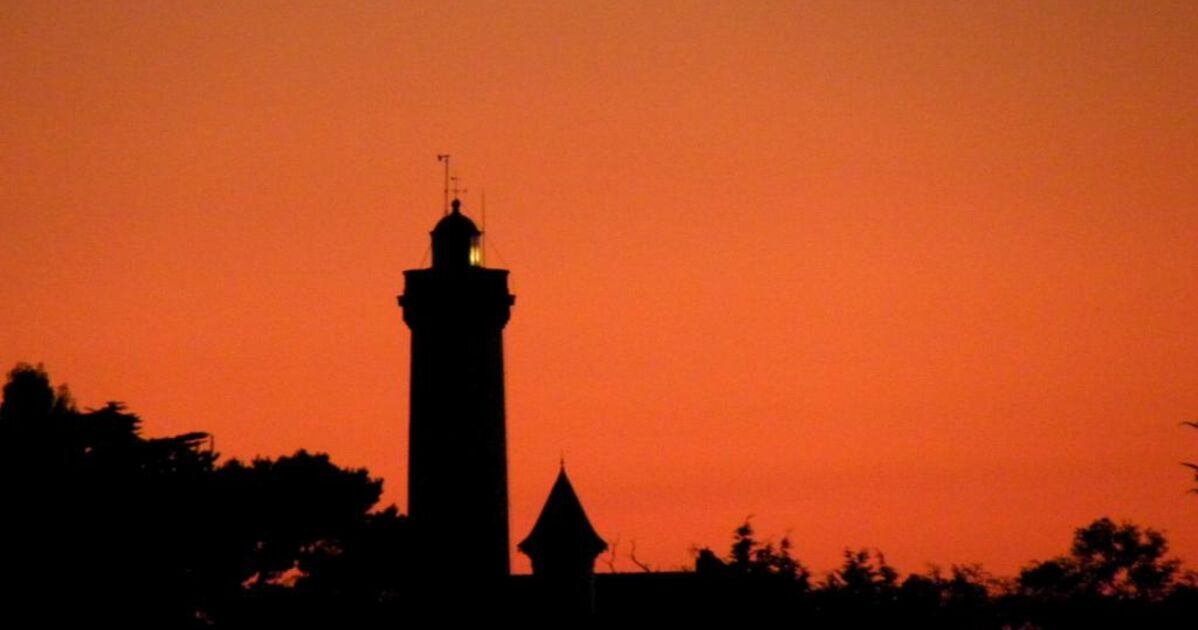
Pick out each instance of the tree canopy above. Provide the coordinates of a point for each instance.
(1106, 560)
(155, 532)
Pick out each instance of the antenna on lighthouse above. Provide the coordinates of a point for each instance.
(482, 238)
(444, 157)
(457, 187)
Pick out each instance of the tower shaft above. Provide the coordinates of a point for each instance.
(457, 452)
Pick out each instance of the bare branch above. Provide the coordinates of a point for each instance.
(632, 555)
(610, 557)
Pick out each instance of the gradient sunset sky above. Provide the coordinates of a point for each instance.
(920, 276)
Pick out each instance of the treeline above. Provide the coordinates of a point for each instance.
(1115, 575)
(106, 525)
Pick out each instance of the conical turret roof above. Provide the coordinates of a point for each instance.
(563, 526)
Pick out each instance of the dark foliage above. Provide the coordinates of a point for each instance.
(1115, 575)
(108, 525)
(1106, 560)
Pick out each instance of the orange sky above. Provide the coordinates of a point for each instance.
(919, 276)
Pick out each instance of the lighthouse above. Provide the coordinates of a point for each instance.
(456, 310)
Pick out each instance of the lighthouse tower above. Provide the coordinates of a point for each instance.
(457, 449)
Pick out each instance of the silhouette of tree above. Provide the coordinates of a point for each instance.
(749, 556)
(277, 509)
(755, 578)
(37, 422)
(372, 557)
(30, 399)
(965, 586)
(863, 592)
(149, 531)
(959, 600)
(740, 559)
(102, 515)
(864, 577)
(1106, 560)
(1051, 579)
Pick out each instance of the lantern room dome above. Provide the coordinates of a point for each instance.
(455, 240)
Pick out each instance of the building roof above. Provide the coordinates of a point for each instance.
(563, 526)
